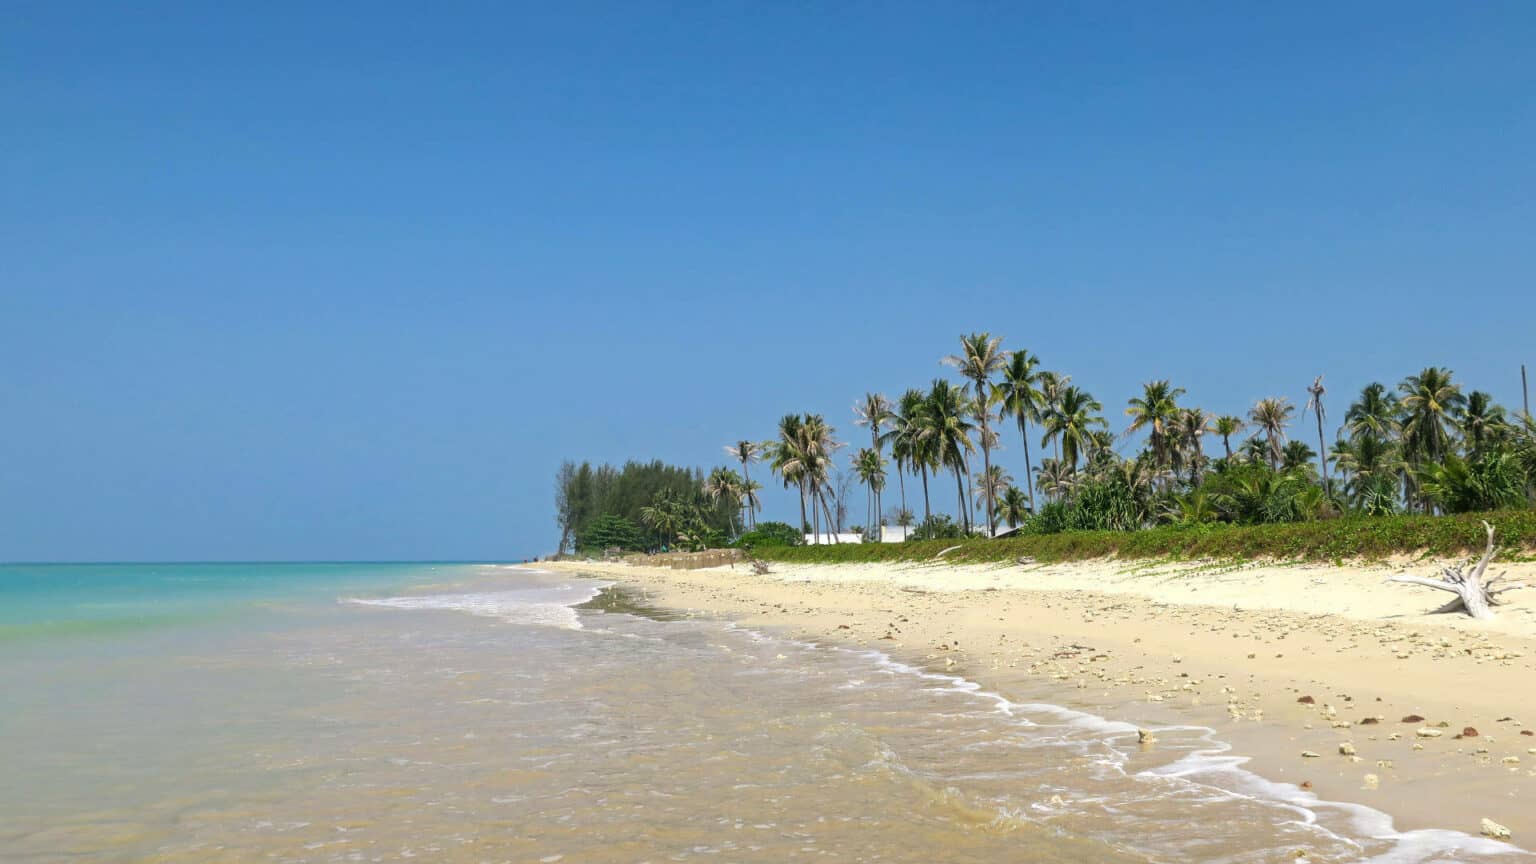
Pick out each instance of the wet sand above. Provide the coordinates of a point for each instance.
(1309, 670)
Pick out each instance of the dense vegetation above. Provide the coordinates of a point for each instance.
(641, 506)
(1369, 537)
(1425, 446)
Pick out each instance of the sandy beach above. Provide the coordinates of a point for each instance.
(1314, 672)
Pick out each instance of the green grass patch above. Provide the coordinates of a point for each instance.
(1332, 540)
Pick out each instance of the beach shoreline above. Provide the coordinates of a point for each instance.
(1280, 659)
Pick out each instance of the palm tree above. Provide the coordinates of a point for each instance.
(980, 357)
(871, 470)
(1374, 413)
(1429, 399)
(1297, 454)
(1315, 405)
(1271, 416)
(874, 411)
(1155, 409)
(746, 452)
(1052, 386)
(1018, 389)
(788, 462)
(818, 444)
(1480, 420)
(1370, 466)
(1056, 478)
(1070, 422)
(725, 484)
(1191, 425)
(906, 427)
(991, 484)
(1227, 426)
(1013, 507)
(948, 430)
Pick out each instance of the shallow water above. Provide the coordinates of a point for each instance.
(491, 714)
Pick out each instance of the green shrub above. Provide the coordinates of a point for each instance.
(769, 534)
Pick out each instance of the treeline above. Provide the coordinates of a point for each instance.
(637, 507)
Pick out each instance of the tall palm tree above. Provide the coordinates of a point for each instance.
(1056, 478)
(1071, 420)
(1428, 401)
(874, 411)
(981, 356)
(1155, 409)
(1271, 416)
(1019, 391)
(948, 430)
(1052, 386)
(870, 467)
(788, 462)
(818, 444)
(1227, 426)
(747, 452)
(906, 427)
(1315, 405)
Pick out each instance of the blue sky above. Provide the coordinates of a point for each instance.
(349, 280)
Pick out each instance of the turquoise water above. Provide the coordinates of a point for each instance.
(62, 600)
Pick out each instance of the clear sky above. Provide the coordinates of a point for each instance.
(330, 280)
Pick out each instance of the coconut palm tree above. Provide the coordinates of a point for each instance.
(1315, 405)
(724, 484)
(1481, 420)
(818, 445)
(1071, 420)
(1370, 466)
(747, 452)
(1018, 389)
(991, 484)
(906, 427)
(981, 356)
(870, 467)
(948, 431)
(1428, 401)
(1155, 409)
(788, 462)
(1189, 427)
(1271, 416)
(1013, 507)
(1374, 413)
(1056, 478)
(1227, 426)
(874, 411)
(1052, 386)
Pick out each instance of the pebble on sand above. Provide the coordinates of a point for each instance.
(1493, 829)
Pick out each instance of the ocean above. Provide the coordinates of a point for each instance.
(487, 713)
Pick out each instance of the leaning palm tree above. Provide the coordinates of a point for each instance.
(1315, 405)
(948, 431)
(1013, 507)
(874, 411)
(1155, 409)
(1071, 420)
(1018, 389)
(1271, 416)
(981, 356)
(1226, 426)
(787, 461)
(746, 452)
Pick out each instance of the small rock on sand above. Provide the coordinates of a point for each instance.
(1429, 733)
(1308, 754)
(1493, 829)
(1347, 749)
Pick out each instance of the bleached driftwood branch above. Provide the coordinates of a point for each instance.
(1473, 595)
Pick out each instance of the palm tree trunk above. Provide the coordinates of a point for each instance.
(1029, 470)
(901, 480)
(803, 524)
(986, 483)
(960, 490)
(927, 514)
(1322, 450)
(1226, 443)
(831, 525)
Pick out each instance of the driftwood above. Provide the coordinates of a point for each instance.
(1473, 595)
(945, 552)
(759, 566)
